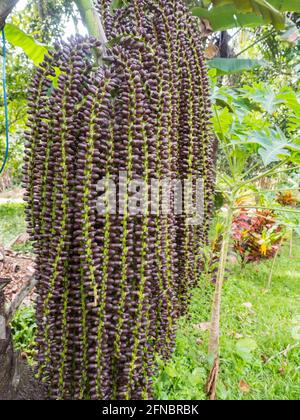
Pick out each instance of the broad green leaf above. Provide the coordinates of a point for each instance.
(245, 348)
(234, 65)
(291, 99)
(274, 154)
(260, 7)
(171, 371)
(227, 14)
(286, 5)
(269, 100)
(223, 120)
(117, 4)
(274, 145)
(35, 51)
(226, 17)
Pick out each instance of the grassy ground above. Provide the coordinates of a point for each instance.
(260, 338)
(12, 222)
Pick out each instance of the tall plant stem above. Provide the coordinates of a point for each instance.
(291, 243)
(273, 266)
(214, 341)
(91, 19)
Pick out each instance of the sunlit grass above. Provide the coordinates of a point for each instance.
(12, 222)
(270, 318)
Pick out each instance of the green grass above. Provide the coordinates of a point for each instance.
(250, 336)
(12, 222)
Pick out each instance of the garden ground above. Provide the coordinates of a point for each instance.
(260, 337)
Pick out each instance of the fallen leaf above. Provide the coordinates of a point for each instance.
(20, 240)
(199, 342)
(211, 51)
(244, 387)
(206, 28)
(282, 371)
(264, 358)
(203, 326)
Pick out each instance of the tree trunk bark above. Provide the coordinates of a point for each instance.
(6, 7)
(17, 380)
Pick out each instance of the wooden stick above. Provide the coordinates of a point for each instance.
(20, 297)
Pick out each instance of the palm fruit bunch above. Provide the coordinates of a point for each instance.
(111, 285)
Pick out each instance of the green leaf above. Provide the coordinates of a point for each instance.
(274, 145)
(260, 7)
(171, 371)
(226, 17)
(223, 121)
(197, 376)
(245, 348)
(234, 65)
(286, 5)
(296, 328)
(117, 4)
(269, 100)
(35, 51)
(227, 14)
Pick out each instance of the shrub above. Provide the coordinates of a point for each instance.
(257, 235)
(287, 198)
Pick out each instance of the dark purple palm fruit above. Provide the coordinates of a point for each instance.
(157, 86)
(109, 284)
(52, 208)
(93, 122)
(104, 8)
(194, 135)
(204, 139)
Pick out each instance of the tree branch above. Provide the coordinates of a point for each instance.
(20, 297)
(6, 7)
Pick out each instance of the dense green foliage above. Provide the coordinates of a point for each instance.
(24, 332)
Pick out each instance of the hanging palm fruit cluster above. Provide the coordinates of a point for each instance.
(112, 284)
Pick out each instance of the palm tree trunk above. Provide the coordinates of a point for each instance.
(17, 380)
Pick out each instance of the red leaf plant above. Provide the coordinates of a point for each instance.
(256, 235)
